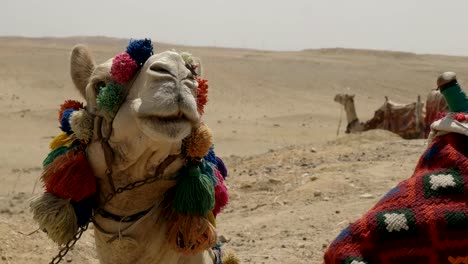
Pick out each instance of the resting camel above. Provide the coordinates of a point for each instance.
(353, 125)
(404, 120)
(141, 143)
(424, 219)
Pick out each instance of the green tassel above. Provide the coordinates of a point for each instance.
(54, 154)
(208, 170)
(194, 194)
(110, 98)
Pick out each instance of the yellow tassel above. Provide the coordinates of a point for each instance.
(62, 140)
(210, 216)
(230, 258)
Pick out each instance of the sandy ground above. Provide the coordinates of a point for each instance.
(294, 183)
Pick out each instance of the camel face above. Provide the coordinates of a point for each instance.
(160, 101)
(163, 98)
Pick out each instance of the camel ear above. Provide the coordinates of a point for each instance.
(197, 61)
(81, 67)
(352, 96)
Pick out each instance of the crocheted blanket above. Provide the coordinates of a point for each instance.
(422, 220)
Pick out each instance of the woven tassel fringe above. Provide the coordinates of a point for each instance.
(194, 192)
(191, 234)
(70, 176)
(55, 216)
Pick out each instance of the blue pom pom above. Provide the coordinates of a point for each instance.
(140, 50)
(211, 156)
(221, 167)
(84, 210)
(65, 122)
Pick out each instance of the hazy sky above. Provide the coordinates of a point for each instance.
(422, 26)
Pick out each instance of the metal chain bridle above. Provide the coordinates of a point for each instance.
(64, 250)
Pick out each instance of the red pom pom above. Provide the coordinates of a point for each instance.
(460, 117)
(221, 194)
(67, 105)
(70, 176)
(123, 68)
(202, 94)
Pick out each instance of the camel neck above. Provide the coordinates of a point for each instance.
(350, 109)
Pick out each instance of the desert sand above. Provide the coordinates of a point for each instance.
(294, 182)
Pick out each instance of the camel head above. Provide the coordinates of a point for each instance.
(344, 99)
(160, 100)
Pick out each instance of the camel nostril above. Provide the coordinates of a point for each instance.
(160, 68)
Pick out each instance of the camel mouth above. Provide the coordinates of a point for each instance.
(170, 127)
(174, 118)
(178, 117)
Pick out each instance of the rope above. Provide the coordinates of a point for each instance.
(339, 122)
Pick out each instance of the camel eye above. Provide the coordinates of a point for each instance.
(99, 85)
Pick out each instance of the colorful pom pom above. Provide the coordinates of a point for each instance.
(123, 68)
(70, 176)
(221, 167)
(187, 57)
(110, 98)
(194, 194)
(84, 210)
(140, 50)
(221, 194)
(198, 143)
(460, 117)
(69, 104)
(82, 124)
(202, 94)
(55, 216)
(62, 140)
(65, 122)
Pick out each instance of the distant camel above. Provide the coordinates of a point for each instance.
(353, 124)
(406, 120)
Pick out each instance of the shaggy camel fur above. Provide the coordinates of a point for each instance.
(159, 111)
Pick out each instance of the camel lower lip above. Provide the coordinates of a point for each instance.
(157, 120)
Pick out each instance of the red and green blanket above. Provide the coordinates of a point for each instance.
(422, 220)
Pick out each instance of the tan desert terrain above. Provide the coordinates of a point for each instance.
(294, 183)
